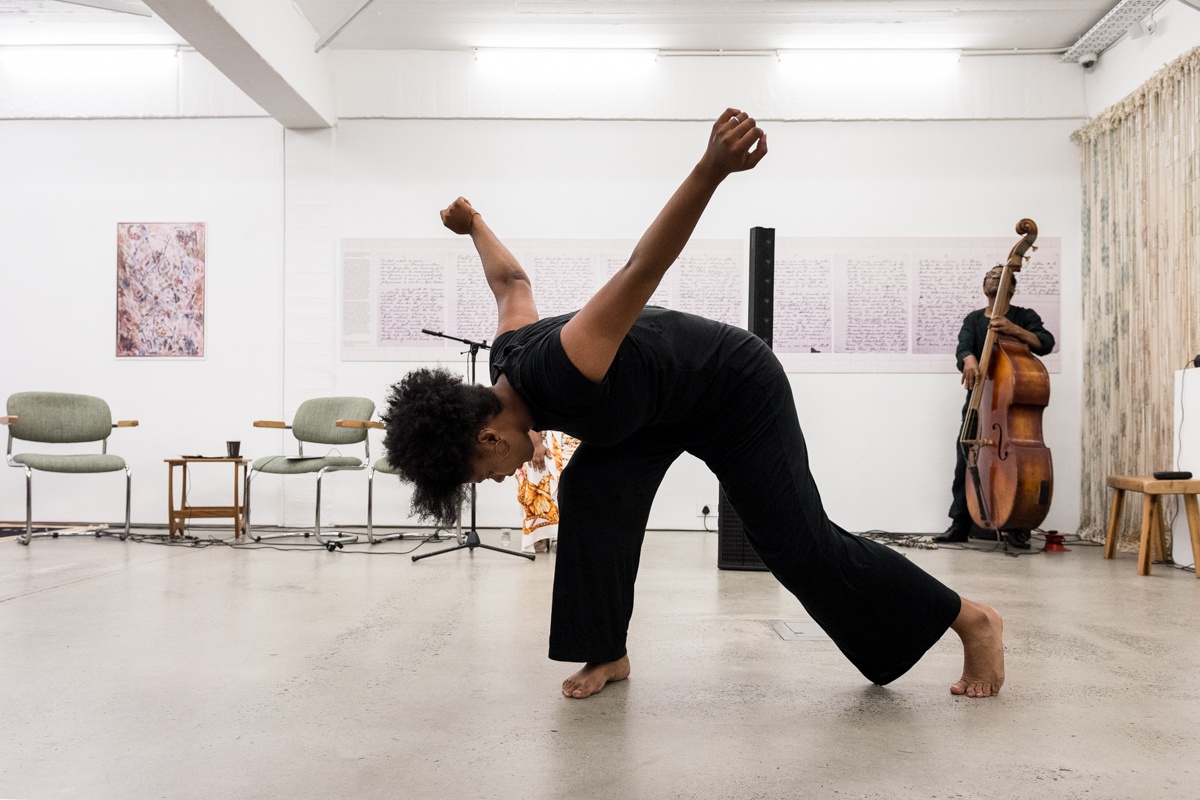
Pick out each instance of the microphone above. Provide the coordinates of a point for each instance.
(431, 333)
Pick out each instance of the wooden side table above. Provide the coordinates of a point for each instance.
(1152, 516)
(178, 514)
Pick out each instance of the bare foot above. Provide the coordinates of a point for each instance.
(594, 675)
(981, 630)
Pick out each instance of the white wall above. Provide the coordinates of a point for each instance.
(65, 186)
(558, 150)
(881, 445)
(966, 154)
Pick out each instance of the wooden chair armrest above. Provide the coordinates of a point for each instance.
(359, 423)
(7, 420)
(270, 423)
(125, 423)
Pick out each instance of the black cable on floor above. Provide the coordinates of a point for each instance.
(299, 547)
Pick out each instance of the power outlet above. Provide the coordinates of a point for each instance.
(706, 509)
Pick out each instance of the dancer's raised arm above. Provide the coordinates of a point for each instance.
(505, 277)
(592, 337)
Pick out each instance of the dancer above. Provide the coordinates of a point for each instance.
(639, 386)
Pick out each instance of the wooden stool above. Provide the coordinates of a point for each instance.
(1152, 517)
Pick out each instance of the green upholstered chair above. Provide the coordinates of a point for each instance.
(60, 419)
(315, 423)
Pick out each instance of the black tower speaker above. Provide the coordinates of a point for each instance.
(733, 548)
(762, 283)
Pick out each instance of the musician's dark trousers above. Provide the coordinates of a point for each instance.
(960, 515)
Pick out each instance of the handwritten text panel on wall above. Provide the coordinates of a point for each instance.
(897, 295)
(841, 304)
(392, 288)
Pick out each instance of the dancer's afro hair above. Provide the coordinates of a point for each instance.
(433, 419)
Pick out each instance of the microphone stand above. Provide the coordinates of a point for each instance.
(472, 539)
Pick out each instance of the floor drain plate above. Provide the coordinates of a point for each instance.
(802, 631)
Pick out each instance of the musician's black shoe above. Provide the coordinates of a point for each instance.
(954, 533)
(1017, 539)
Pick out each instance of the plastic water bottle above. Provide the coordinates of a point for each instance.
(505, 537)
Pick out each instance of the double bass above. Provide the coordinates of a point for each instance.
(1010, 473)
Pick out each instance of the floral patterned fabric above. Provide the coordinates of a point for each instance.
(537, 490)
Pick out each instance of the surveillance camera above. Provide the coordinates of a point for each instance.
(1088, 60)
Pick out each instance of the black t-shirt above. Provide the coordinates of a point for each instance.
(661, 375)
(975, 327)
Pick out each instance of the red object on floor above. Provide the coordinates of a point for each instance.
(1054, 543)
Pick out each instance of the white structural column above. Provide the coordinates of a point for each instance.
(310, 310)
(266, 48)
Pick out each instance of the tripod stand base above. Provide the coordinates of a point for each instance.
(471, 543)
(424, 537)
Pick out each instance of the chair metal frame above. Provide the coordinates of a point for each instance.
(331, 542)
(371, 470)
(371, 537)
(29, 535)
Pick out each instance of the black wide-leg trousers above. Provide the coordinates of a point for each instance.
(881, 610)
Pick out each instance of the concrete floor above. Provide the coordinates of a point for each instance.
(138, 671)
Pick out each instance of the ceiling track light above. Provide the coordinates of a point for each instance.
(1141, 27)
(1111, 27)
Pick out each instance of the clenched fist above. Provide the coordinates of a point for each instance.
(459, 216)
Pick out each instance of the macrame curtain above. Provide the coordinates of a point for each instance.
(1141, 280)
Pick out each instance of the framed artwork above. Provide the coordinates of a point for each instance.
(160, 289)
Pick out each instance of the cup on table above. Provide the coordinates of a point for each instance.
(233, 449)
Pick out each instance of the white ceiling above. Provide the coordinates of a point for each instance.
(662, 24)
(707, 24)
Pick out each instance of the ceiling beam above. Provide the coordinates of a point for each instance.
(265, 48)
(346, 20)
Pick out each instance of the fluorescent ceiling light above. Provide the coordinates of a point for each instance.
(719, 53)
(881, 57)
(83, 70)
(560, 65)
(873, 66)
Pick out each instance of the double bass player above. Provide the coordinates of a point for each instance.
(1021, 324)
